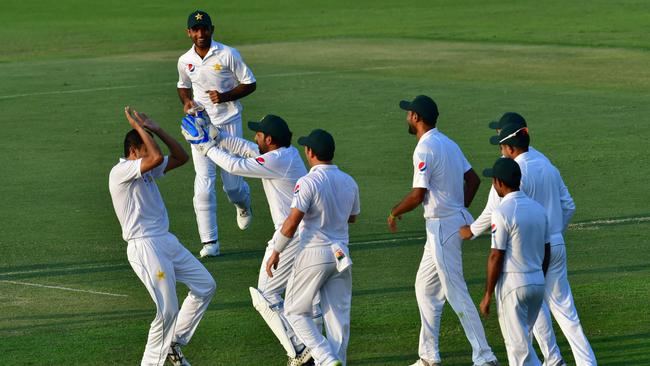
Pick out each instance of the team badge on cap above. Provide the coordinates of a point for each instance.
(190, 67)
(260, 160)
(422, 166)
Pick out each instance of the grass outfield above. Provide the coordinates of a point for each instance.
(578, 72)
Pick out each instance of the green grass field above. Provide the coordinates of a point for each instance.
(578, 71)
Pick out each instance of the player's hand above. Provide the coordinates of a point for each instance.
(133, 120)
(216, 97)
(273, 261)
(392, 222)
(465, 232)
(485, 306)
(147, 122)
(188, 105)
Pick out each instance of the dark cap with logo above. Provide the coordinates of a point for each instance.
(199, 18)
(273, 126)
(506, 170)
(424, 106)
(512, 135)
(320, 142)
(507, 119)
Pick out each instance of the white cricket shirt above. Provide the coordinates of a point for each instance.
(222, 69)
(541, 181)
(439, 166)
(136, 199)
(328, 197)
(519, 228)
(279, 170)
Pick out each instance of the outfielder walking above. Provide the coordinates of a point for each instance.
(445, 183)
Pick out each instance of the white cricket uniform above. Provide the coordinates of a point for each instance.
(439, 166)
(328, 197)
(279, 170)
(543, 330)
(222, 69)
(543, 183)
(520, 230)
(158, 258)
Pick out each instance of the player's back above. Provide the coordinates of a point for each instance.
(333, 196)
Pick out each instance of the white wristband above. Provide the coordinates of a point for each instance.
(280, 241)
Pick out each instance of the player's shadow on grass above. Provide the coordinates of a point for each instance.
(622, 350)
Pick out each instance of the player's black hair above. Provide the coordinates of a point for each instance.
(283, 141)
(132, 139)
(323, 156)
(512, 185)
(432, 124)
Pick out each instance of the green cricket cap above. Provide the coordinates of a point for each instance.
(507, 119)
(513, 135)
(199, 18)
(320, 142)
(273, 126)
(506, 170)
(424, 106)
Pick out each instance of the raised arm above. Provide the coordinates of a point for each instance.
(154, 156)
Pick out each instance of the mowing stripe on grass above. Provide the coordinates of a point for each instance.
(62, 288)
(106, 88)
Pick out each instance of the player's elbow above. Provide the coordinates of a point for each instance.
(157, 159)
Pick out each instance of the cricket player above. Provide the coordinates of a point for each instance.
(215, 76)
(543, 330)
(517, 263)
(155, 255)
(325, 201)
(445, 183)
(543, 183)
(279, 165)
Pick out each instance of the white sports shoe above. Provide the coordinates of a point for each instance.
(421, 362)
(210, 250)
(175, 356)
(244, 217)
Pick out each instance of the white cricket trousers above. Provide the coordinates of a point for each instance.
(205, 196)
(560, 302)
(314, 273)
(159, 262)
(272, 288)
(439, 279)
(518, 309)
(545, 337)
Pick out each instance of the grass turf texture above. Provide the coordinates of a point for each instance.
(578, 72)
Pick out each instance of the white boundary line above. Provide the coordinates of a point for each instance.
(62, 288)
(89, 90)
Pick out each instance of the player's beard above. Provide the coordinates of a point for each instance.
(412, 130)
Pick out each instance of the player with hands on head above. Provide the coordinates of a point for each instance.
(156, 256)
(214, 76)
(445, 183)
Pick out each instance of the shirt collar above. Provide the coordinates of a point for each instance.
(522, 156)
(323, 167)
(214, 46)
(430, 132)
(513, 195)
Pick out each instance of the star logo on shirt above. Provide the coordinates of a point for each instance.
(160, 275)
(198, 16)
(217, 67)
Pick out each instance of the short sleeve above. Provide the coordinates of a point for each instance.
(184, 81)
(159, 171)
(302, 196)
(356, 204)
(499, 232)
(466, 165)
(126, 171)
(241, 71)
(421, 167)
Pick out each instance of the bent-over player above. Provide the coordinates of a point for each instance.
(517, 262)
(445, 183)
(156, 255)
(325, 201)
